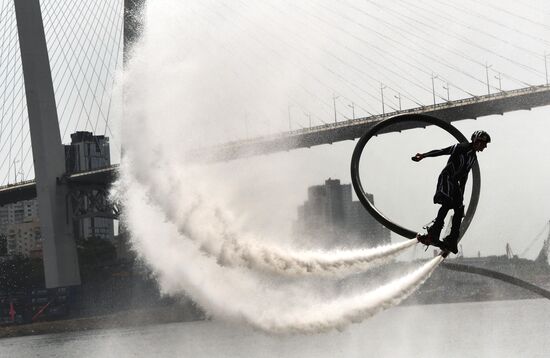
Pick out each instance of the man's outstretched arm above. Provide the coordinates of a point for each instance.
(433, 153)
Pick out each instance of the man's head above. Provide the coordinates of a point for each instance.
(480, 140)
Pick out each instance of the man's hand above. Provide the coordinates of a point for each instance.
(418, 157)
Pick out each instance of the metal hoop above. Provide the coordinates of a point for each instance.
(356, 180)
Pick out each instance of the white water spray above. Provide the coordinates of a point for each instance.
(233, 294)
(231, 246)
(177, 98)
(329, 263)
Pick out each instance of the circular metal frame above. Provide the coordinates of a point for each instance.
(356, 180)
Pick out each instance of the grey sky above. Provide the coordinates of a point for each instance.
(206, 72)
(268, 189)
(84, 42)
(242, 68)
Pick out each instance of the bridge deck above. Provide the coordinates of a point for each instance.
(27, 190)
(471, 108)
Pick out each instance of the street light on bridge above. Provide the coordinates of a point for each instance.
(546, 67)
(433, 86)
(334, 97)
(487, 66)
(15, 161)
(398, 98)
(448, 94)
(382, 95)
(309, 118)
(499, 78)
(352, 105)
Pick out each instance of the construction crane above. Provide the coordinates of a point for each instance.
(542, 258)
(537, 237)
(509, 253)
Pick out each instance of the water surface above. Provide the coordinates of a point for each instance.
(482, 329)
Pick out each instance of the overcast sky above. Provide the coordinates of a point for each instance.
(84, 45)
(262, 60)
(241, 69)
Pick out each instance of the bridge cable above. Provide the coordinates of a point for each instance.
(116, 27)
(405, 45)
(79, 58)
(426, 53)
(118, 59)
(471, 12)
(325, 67)
(388, 58)
(84, 72)
(469, 42)
(245, 60)
(360, 55)
(262, 43)
(461, 54)
(455, 21)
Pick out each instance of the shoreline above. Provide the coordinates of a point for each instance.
(152, 316)
(124, 319)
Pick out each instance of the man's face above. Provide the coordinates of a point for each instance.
(479, 145)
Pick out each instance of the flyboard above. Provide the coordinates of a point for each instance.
(427, 240)
(404, 122)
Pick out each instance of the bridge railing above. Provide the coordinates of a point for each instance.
(19, 184)
(378, 117)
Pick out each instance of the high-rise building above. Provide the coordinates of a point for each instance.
(330, 212)
(19, 212)
(19, 224)
(88, 152)
(24, 239)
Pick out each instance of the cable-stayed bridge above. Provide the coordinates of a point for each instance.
(471, 108)
(90, 102)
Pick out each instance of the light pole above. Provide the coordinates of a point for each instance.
(448, 95)
(399, 99)
(487, 75)
(546, 67)
(433, 86)
(309, 118)
(334, 97)
(352, 105)
(499, 78)
(382, 95)
(15, 170)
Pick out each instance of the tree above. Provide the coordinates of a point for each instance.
(21, 272)
(3, 245)
(94, 254)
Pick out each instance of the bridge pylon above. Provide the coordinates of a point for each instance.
(59, 247)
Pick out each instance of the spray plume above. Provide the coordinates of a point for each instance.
(236, 295)
(231, 246)
(175, 99)
(330, 263)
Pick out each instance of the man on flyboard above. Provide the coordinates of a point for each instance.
(450, 188)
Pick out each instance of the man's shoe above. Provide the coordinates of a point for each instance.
(428, 239)
(450, 244)
(434, 234)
